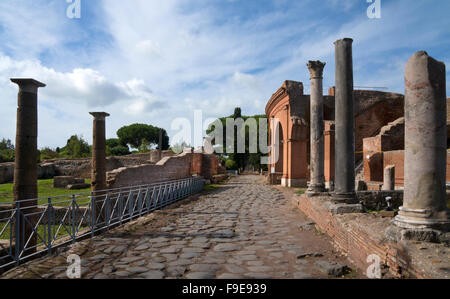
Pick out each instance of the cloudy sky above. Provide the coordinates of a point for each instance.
(152, 61)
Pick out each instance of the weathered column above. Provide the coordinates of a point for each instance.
(98, 171)
(389, 178)
(26, 157)
(345, 124)
(329, 154)
(424, 203)
(317, 181)
(98, 174)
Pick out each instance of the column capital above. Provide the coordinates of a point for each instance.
(27, 84)
(316, 69)
(99, 115)
(348, 41)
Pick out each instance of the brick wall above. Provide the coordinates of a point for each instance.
(79, 168)
(397, 158)
(169, 168)
(358, 236)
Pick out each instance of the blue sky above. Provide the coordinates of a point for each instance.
(156, 61)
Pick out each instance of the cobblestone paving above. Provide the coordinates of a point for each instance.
(244, 229)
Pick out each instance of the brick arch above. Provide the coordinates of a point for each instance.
(294, 141)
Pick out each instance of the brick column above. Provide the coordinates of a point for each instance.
(98, 171)
(317, 182)
(26, 156)
(424, 210)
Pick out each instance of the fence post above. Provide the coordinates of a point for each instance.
(72, 219)
(108, 210)
(50, 226)
(121, 207)
(130, 204)
(18, 245)
(93, 214)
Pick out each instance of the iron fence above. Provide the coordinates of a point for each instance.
(30, 228)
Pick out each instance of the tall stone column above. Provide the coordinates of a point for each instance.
(98, 171)
(26, 156)
(345, 124)
(424, 203)
(317, 182)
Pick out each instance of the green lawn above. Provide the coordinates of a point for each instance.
(45, 189)
(42, 231)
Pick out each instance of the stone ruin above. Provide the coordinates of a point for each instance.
(70, 183)
(391, 145)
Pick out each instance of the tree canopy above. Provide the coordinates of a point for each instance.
(6, 151)
(76, 147)
(237, 160)
(141, 135)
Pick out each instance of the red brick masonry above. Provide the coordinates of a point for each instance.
(358, 236)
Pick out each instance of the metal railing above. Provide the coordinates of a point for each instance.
(31, 229)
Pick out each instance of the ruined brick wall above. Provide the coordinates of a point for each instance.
(397, 158)
(6, 172)
(154, 156)
(79, 168)
(358, 236)
(169, 168)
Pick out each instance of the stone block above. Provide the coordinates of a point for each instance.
(78, 186)
(63, 181)
(337, 209)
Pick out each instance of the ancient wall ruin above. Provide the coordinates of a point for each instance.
(79, 168)
(169, 168)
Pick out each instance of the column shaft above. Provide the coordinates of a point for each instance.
(345, 124)
(26, 159)
(98, 171)
(424, 204)
(317, 182)
(389, 178)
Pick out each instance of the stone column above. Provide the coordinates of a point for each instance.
(98, 171)
(329, 154)
(26, 156)
(389, 178)
(317, 181)
(345, 124)
(424, 204)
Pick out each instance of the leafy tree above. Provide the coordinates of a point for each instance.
(6, 151)
(47, 153)
(114, 148)
(137, 134)
(241, 160)
(230, 164)
(76, 147)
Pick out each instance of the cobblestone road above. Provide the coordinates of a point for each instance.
(244, 229)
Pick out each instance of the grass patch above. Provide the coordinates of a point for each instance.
(301, 191)
(45, 189)
(211, 187)
(42, 231)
